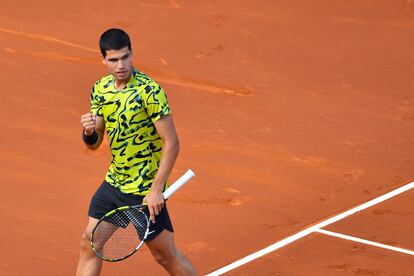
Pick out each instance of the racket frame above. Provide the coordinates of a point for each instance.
(122, 208)
(167, 193)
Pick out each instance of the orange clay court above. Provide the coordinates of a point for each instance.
(297, 117)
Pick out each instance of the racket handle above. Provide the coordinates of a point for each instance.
(177, 184)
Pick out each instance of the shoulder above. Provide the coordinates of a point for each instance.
(147, 85)
(103, 82)
(142, 80)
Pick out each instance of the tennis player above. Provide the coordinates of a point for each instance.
(144, 145)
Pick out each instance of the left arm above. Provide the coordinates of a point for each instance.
(171, 147)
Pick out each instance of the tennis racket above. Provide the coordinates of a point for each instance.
(122, 231)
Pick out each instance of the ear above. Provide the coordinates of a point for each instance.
(103, 60)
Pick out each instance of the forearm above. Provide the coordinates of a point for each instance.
(93, 130)
(98, 142)
(169, 155)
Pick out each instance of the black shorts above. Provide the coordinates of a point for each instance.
(107, 198)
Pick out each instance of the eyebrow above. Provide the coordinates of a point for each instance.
(116, 59)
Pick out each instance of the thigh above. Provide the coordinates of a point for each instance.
(91, 224)
(163, 244)
(86, 235)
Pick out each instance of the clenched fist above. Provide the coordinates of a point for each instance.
(88, 122)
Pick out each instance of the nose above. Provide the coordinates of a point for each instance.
(121, 63)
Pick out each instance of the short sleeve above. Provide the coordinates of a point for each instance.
(155, 102)
(96, 106)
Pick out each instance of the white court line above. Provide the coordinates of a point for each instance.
(310, 230)
(377, 244)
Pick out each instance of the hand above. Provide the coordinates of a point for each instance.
(88, 122)
(155, 202)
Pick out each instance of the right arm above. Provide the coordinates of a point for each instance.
(92, 123)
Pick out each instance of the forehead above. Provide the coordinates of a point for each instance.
(117, 53)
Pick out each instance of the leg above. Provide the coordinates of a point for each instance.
(101, 203)
(89, 264)
(166, 254)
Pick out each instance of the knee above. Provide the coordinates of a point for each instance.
(84, 242)
(165, 258)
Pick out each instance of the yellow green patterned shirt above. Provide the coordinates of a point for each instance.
(129, 116)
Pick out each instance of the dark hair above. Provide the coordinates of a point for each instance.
(114, 39)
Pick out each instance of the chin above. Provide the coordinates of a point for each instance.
(123, 77)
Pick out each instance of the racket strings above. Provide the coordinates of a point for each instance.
(120, 233)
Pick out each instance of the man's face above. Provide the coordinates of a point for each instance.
(119, 63)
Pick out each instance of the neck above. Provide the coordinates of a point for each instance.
(120, 84)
